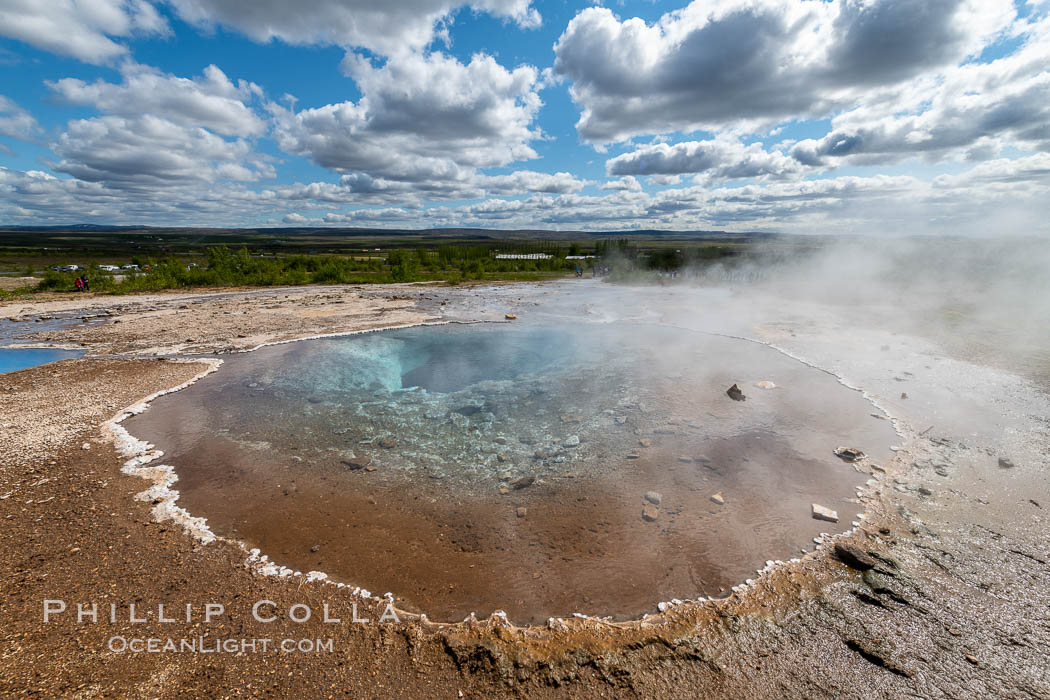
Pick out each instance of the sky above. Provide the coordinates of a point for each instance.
(883, 117)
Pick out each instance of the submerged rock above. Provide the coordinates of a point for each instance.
(719, 499)
(1006, 463)
(650, 513)
(521, 511)
(572, 441)
(523, 482)
(849, 454)
(356, 463)
(735, 393)
(764, 384)
(653, 497)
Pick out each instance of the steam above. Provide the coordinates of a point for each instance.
(980, 299)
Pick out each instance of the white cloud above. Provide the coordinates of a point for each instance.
(973, 110)
(80, 28)
(713, 161)
(421, 119)
(357, 188)
(390, 27)
(16, 122)
(372, 217)
(628, 183)
(148, 151)
(1034, 169)
(211, 100)
(730, 64)
(1001, 197)
(521, 181)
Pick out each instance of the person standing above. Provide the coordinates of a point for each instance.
(79, 284)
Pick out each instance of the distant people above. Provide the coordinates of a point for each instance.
(79, 284)
(84, 283)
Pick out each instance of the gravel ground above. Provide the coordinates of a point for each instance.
(956, 604)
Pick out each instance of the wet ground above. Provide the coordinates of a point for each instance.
(540, 469)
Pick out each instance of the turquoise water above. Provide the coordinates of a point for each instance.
(12, 359)
(506, 466)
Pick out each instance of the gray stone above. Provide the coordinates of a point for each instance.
(853, 557)
(653, 497)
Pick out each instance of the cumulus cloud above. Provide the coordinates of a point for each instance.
(83, 30)
(390, 27)
(148, 151)
(722, 64)
(1034, 170)
(90, 30)
(521, 181)
(977, 201)
(421, 118)
(212, 100)
(975, 109)
(16, 122)
(628, 183)
(358, 188)
(374, 217)
(160, 130)
(714, 160)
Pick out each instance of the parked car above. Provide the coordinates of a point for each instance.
(129, 266)
(107, 268)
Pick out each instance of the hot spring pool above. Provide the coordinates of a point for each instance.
(475, 468)
(13, 359)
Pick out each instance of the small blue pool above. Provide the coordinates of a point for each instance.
(12, 359)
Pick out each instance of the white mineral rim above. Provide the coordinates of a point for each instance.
(140, 453)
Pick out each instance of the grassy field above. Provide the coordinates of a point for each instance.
(200, 258)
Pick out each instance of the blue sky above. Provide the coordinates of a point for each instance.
(865, 116)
